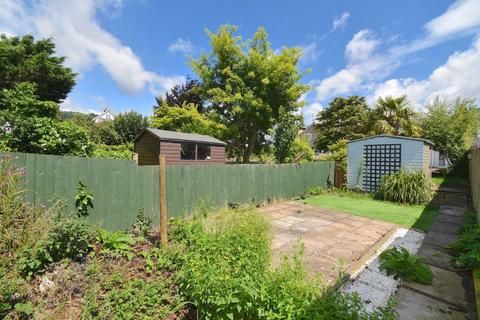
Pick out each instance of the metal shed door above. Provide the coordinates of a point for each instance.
(380, 159)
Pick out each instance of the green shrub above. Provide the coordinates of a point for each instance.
(402, 265)
(313, 191)
(412, 187)
(468, 245)
(143, 224)
(132, 299)
(223, 267)
(70, 238)
(117, 242)
(300, 151)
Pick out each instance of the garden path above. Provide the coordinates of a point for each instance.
(450, 295)
(334, 241)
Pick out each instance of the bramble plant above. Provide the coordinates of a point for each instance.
(402, 265)
(83, 200)
(143, 224)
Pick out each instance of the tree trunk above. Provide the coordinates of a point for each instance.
(251, 143)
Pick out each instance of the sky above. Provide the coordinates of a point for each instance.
(127, 52)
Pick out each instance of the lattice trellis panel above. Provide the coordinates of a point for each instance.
(380, 159)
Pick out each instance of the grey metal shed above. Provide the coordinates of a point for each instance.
(371, 157)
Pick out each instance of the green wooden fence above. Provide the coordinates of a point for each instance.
(120, 187)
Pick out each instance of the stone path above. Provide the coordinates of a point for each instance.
(332, 239)
(450, 295)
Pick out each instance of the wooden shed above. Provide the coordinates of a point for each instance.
(372, 157)
(178, 148)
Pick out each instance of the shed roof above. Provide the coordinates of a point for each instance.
(165, 135)
(395, 137)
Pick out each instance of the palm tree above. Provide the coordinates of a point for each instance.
(394, 116)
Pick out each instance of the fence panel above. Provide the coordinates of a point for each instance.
(475, 179)
(121, 188)
(219, 185)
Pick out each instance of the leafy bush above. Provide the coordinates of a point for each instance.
(412, 187)
(122, 151)
(83, 200)
(133, 299)
(117, 242)
(468, 245)
(143, 224)
(402, 265)
(224, 265)
(70, 238)
(300, 151)
(313, 191)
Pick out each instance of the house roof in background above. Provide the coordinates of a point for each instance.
(165, 135)
(395, 137)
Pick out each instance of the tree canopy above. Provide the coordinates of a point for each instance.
(187, 93)
(452, 126)
(286, 131)
(343, 118)
(128, 125)
(394, 116)
(246, 83)
(24, 59)
(186, 118)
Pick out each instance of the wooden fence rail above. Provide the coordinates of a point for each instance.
(121, 188)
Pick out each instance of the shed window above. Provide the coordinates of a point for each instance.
(188, 151)
(203, 152)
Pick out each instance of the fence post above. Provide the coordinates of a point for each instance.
(163, 200)
(339, 175)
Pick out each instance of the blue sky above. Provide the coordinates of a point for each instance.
(126, 51)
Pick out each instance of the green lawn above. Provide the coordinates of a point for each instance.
(415, 216)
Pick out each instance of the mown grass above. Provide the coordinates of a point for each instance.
(410, 216)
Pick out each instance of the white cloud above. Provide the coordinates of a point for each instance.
(70, 105)
(457, 77)
(341, 21)
(79, 37)
(361, 46)
(310, 53)
(366, 67)
(183, 46)
(462, 16)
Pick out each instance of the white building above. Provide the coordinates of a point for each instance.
(372, 157)
(106, 115)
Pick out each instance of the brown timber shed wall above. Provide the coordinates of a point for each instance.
(172, 150)
(148, 149)
(149, 146)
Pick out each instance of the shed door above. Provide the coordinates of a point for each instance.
(379, 160)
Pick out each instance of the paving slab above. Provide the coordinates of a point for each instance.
(458, 220)
(452, 211)
(440, 239)
(446, 286)
(332, 239)
(436, 256)
(412, 305)
(439, 226)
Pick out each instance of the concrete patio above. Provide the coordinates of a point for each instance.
(334, 241)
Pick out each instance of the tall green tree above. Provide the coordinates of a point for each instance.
(452, 126)
(285, 133)
(186, 118)
(129, 124)
(32, 125)
(24, 59)
(246, 83)
(187, 93)
(343, 118)
(394, 116)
